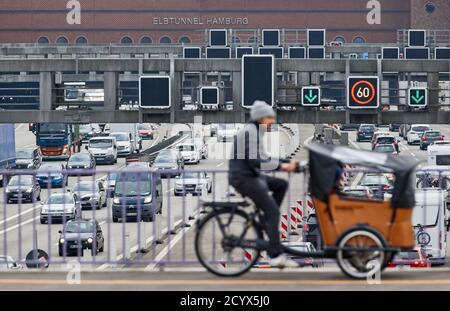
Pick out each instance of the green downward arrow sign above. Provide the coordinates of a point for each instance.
(311, 97)
(417, 98)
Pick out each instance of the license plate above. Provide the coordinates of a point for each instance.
(74, 246)
(131, 214)
(100, 159)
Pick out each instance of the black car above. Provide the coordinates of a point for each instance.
(135, 197)
(169, 160)
(349, 126)
(79, 235)
(394, 127)
(365, 132)
(81, 164)
(312, 232)
(23, 188)
(28, 158)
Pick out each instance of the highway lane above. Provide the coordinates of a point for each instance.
(19, 222)
(181, 246)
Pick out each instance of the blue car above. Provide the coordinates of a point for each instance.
(52, 174)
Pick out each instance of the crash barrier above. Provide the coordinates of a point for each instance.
(330, 134)
(123, 233)
(151, 153)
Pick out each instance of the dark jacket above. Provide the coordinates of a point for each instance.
(248, 157)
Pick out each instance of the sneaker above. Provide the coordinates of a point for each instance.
(282, 261)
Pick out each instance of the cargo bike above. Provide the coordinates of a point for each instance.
(362, 235)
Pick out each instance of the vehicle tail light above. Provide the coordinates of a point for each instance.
(385, 187)
(306, 228)
(424, 138)
(418, 264)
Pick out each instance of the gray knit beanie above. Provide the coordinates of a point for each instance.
(261, 110)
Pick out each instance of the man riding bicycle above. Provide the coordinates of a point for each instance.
(247, 161)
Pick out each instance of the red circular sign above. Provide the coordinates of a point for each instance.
(356, 98)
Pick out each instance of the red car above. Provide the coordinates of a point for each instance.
(145, 131)
(416, 258)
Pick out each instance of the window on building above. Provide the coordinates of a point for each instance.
(165, 40)
(43, 40)
(126, 40)
(184, 40)
(339, 39)
(359, 40)
(146, 40)
(62, 40)
(430, 7)
(81, 40)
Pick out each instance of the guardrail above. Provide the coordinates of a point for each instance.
(129, 231)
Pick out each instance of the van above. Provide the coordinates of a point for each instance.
(137, 195)
(132, 129)
(125, 143)
(430, 223)
(439, 153)
(104, 149)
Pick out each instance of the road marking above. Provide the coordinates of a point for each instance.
(169, 247)
(19, 225)
(135, 247)
(170, 190)
(21, 214)
(221, 164)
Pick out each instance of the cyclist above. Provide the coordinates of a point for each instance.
(247, 161)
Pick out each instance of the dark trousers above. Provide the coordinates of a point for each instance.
(257, 189)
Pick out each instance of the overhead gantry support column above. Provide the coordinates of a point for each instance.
(47, 92)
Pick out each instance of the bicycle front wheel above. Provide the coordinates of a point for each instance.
(213, 248)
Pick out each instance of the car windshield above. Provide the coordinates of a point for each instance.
(60, 199)
(52, 128)
(85, 128)
(121, 137)
(85, 186)
(367, 128)
(133, 184)
(409, 255)
(385, 149)
(433, 134)
(50, 167)
(79, 158)
(186, 148)
(20, 180)
(189, 175)
(24, 154)
(79, 227)
(145, 127)
(100, 143)
(385, 140)
(165, 159)
(374, 180)
(420, 128)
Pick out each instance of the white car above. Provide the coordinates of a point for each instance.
(125, 145)
(201, 146)
(197, 183)
(189, 152)
(416, 132)
(60, 207)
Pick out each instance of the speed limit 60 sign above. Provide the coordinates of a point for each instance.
(363, 92)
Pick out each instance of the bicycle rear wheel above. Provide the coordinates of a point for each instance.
(215, 253)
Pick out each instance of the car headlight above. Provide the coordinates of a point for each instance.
(29, 190)
(30, 165)
(90, 240)
(179, 185)
(68, 210)
(7, 190)
(61, 240)
(148, 199)
(44, 210)
(116, 200)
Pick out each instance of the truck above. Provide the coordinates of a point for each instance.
(131, 128)
(7, 150)
(57, 140)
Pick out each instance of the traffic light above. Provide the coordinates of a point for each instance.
(311, 96)
(363, 92)
(418, 96)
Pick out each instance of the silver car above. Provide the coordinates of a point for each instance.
(92, 194)
(196, 183)
(60, 207)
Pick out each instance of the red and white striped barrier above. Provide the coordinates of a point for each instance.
(287, 227)
(308, 208)
(297, 214)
